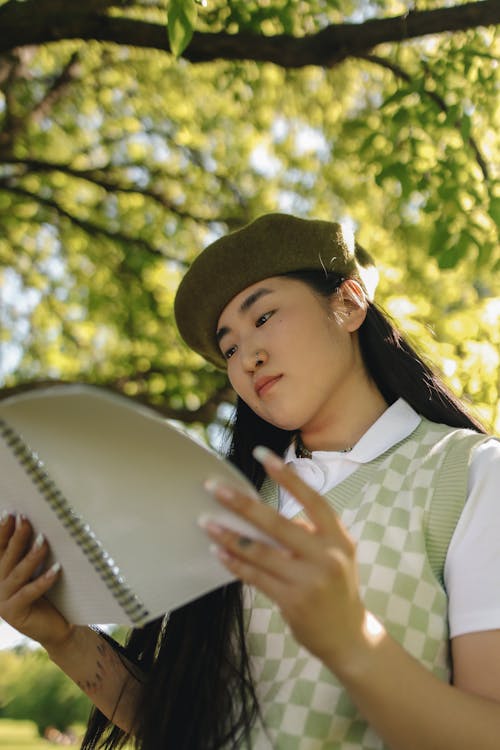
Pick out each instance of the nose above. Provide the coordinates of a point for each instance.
(255, 359)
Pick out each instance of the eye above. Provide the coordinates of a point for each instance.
(264, 318)
(229, 352)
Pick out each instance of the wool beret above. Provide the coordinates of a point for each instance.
(272, 245)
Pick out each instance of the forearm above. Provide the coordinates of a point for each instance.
(96, 667)
(99, 670)
(412, 709)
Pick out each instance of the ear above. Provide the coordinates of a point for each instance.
(349, 305)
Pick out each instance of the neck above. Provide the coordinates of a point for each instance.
(341, 429)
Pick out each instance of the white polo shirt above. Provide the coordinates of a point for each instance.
(472, 566)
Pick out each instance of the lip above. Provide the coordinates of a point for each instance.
(262, 385)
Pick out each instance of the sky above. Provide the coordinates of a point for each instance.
(10, 637)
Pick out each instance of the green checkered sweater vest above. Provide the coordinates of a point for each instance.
(402, 509)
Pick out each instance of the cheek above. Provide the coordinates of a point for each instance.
(283, 331)
(232, 376)
(239, 382)
(243, 387)
(310, 336)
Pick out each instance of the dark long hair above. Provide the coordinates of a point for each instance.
(198, 693)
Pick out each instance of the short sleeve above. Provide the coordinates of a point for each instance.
(472, 567)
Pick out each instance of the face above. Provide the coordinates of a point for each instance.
(292, 357)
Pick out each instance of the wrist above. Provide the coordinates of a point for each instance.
(361, 657)
(65, 639)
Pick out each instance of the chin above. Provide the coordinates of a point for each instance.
(283, 423)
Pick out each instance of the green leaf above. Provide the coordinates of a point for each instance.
(448, 259)
(484, 253)
(494, 209)
(453, 114)
(397, 96)
(440, 239)
(398, 172)
(465, 126)
(450, 256)
(181, 22)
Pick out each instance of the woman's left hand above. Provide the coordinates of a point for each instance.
(311, 575)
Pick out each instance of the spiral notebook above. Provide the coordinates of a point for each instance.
(117, 491)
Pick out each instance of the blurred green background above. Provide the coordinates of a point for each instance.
(17, 735)
(126, 147)
(46, 704)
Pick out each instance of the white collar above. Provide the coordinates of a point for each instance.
(397, 422)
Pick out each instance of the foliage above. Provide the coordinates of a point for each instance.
(32, 687)
(181, 22)
(22, 735)
(117, 164)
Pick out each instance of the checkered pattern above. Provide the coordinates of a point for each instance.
(401, 508)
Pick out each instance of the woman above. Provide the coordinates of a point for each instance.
(369, 623)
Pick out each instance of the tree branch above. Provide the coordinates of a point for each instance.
(42, 21)
(10, 69)
(14, 124)
(16, 68)
(436, 98)
(88, 226)
(98, 178)
(111, 185)
(56, 90)
(205, 414)
(6, 64)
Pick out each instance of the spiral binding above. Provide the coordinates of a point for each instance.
(79, 530)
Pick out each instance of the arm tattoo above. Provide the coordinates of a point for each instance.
(107, 664)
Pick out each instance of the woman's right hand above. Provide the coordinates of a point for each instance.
(22, 601)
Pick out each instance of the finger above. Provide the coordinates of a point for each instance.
(297, 537)
(271, 586)
(276, 561)
(316, 507)
(32, 591)
(304, 523)
(16, 546)
(7, 525)
(294, 537)
(24, 571)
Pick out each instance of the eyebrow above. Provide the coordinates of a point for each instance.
(245, 305)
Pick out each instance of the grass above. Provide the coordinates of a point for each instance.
(22, 735)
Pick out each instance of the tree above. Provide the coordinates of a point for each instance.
(32, 687)
(119, 161)
(128, 22)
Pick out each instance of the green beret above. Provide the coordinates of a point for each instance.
(272, 245)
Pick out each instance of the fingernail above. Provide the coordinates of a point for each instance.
(38, 542)
(53, 570)
(210, 485)
(208, 524)
(4, 517)
(215, 487)
(19, 520)
(265, 456)
(204, 520)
